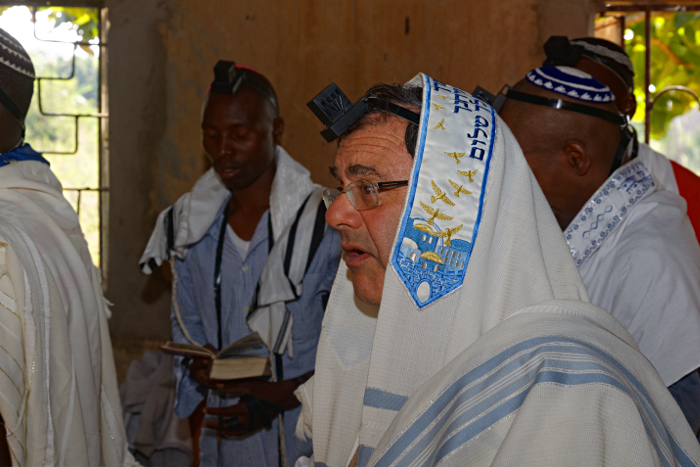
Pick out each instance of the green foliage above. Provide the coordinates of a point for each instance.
(675, 60)
(83, 20)
(47, 134)
(78, 95)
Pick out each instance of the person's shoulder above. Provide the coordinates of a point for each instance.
(663, 212)
(657, 234)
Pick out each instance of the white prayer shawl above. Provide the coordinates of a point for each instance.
(278, 284)
(639, 259)
(659, 166)
(194, 213)
(58, 390)
(368, 368)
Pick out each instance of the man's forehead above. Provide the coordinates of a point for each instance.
(370, 152)
(245, 103)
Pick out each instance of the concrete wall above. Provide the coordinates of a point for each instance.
(161, 55)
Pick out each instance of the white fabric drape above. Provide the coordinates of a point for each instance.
(194, 212)
(659, 166)
(59, 400)
(638, 256)
(369, 367)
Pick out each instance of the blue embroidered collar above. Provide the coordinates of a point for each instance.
(606, 209)
(21, 153)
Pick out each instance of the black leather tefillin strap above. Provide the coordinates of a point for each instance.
(337, 113)
(13, 108)
(566, 105)
(217, 271)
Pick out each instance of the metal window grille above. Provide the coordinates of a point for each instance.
(102, 187)
(647, 8)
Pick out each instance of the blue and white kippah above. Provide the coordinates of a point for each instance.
(571, 82)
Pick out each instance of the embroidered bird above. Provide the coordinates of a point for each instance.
(459, 189)
(468, 173)
(455, 155)
(443, 97)
(447, 233)
(440, 125)
(437, 107)
(440, 195)
(434, 214)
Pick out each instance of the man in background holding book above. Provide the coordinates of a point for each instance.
(250, 252)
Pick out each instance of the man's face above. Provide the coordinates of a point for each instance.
(377, 153)
(10, 130)
(239, 133)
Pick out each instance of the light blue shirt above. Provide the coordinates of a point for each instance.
(239, 278)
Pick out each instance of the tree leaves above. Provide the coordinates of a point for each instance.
(675, 60)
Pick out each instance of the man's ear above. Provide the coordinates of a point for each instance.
(628, 106)
(577, 157)
(277, 129)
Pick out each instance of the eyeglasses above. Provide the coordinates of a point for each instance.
(363, 194)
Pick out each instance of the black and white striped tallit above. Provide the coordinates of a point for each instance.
(281, 280)
(296, 219)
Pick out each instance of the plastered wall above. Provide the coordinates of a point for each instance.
(161, 55)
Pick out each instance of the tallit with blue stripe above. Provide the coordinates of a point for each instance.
(509, 364)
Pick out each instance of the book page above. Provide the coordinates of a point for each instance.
(186, 349)
(249, 342)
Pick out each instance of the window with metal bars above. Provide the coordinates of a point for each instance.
(663, 41)
(67, 120)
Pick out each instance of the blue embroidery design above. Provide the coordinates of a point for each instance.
(430, 257)
(607, 208)
(571, 82)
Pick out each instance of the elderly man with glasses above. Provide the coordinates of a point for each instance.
(458, 331)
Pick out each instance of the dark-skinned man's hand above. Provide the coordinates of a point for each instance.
(267, 399)
(199, 369)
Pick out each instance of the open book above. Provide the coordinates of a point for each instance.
(231, 362)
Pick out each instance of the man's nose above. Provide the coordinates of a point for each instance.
(342, 216)
(226, 147)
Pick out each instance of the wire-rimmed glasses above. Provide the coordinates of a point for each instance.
(363, 194)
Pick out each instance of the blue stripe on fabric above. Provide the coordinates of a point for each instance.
(477, 224)
(453, 395)
(413, 182)
(519, 386)
(425, 115)
(384, 400)
(463, 436)
(363, 455)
